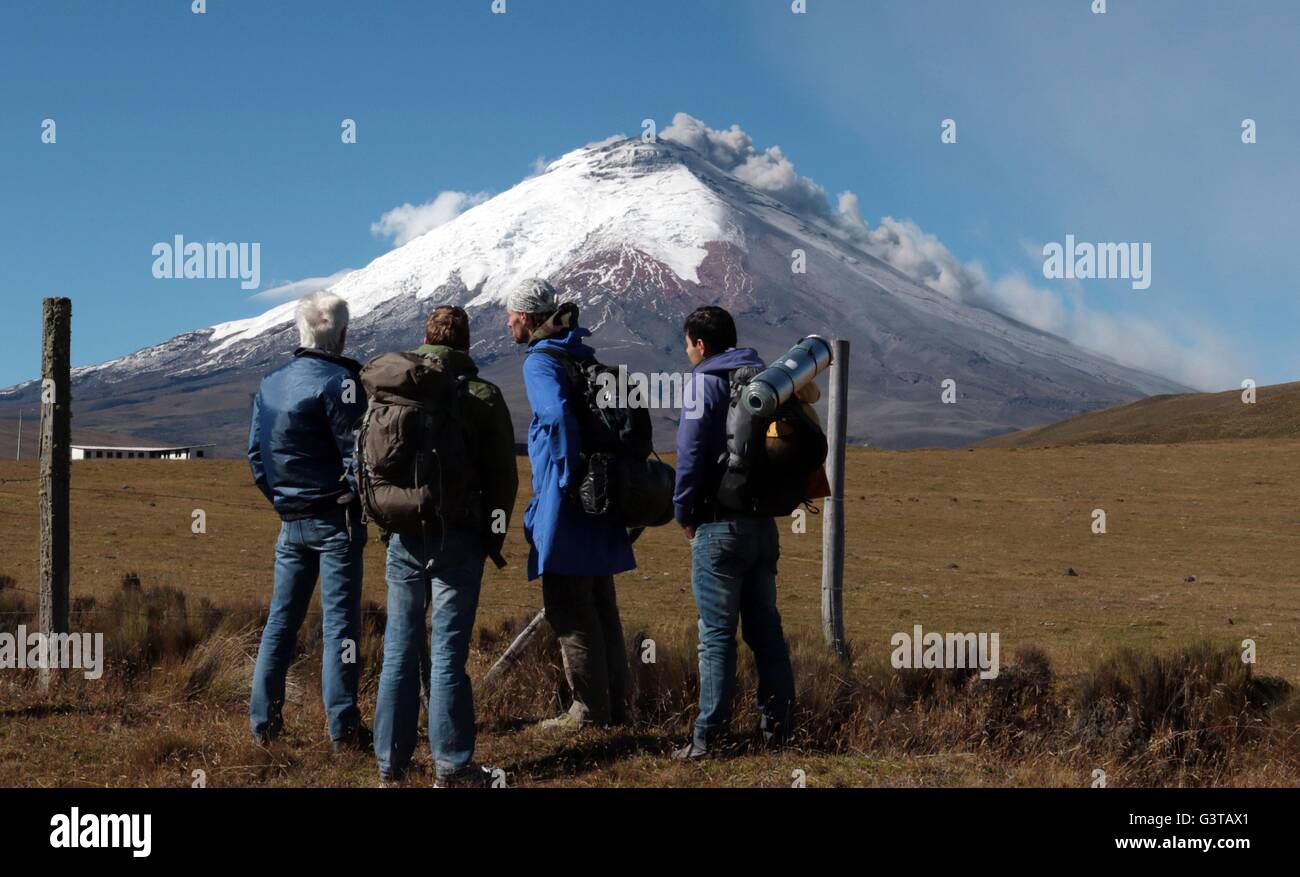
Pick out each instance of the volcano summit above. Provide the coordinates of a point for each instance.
(638, 234)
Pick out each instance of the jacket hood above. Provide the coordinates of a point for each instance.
(735, 357)
(562, 332)
(564, 319)
(460, 362)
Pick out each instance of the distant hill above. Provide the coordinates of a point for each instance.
(31, 443)
(1170, 419)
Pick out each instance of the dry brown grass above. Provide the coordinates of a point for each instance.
(1196, 717)
(1011, 521)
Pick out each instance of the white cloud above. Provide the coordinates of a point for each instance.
(1176, 348)
(299, 288)
(1188, 353)
(1019, 299)
(923, 257)
(406, 223)
(769, 171)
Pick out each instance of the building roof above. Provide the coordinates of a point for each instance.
(142, 448)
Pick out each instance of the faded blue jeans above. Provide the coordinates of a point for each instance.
(733, 575)
(446, 577)
(310, 548)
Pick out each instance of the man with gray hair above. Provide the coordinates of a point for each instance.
(300, 447)
(575, 554)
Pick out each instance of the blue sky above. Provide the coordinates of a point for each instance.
(225, 127)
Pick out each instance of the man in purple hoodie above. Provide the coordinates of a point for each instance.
(733, 555)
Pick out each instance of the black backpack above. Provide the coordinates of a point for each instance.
(619, 481)
(768, 476)
(411, 461)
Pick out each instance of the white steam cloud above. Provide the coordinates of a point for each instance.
(1199, 358)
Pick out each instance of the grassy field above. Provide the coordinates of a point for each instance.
(1200, 547)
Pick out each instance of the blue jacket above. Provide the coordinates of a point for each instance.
(301, 440)
(702, 433)
(563, 538)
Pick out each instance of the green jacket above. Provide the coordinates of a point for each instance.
(490, 444)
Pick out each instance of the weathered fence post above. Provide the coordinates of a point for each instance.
(833, 520)
(55, 470)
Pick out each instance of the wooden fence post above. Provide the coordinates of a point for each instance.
(55, 470)
(833, 519)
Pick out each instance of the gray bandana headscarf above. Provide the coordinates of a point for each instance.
(533, 296)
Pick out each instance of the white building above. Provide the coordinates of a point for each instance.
(106, 452)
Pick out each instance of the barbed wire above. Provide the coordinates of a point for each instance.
(133, 491)
(125, 610)
(261, 507)
(196, 611)
(199, 611)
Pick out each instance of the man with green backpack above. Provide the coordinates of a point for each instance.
(437, 473)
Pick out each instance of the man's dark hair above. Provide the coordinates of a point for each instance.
(448, 325)
(712, 325)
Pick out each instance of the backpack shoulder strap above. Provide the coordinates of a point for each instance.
(571, 367)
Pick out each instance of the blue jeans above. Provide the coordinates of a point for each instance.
(307, 549)
(733, 575)
(448, 579)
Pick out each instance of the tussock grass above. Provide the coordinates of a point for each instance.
(219, 670)
(1190, 716)
(1187, 711)
(166, 747)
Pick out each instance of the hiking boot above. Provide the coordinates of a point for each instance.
(690, 752)
(359, 739)
(471, 776)
(271, 733)
(562, 722)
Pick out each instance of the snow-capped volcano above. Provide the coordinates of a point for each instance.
(634, 199)
(640, 233)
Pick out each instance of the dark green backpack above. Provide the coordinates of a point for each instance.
(411, 463)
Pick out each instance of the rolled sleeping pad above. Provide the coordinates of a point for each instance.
(773, 386)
